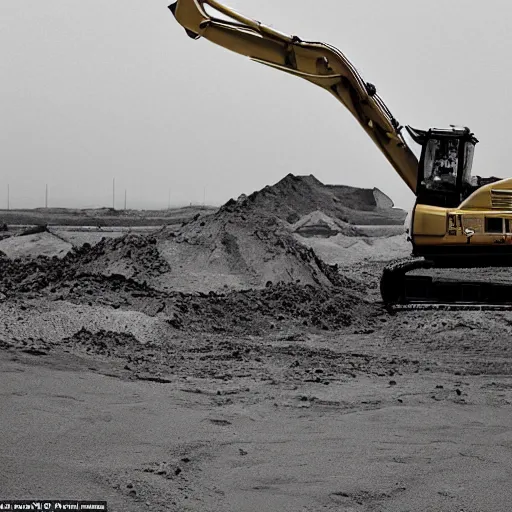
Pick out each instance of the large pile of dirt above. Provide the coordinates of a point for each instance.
(238, 249)
(296, 196)
(250, 242)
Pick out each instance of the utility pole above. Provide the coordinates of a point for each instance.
(46, 197)
(114, 193)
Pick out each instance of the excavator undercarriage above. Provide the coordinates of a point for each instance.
(459, 221)
(419, 283)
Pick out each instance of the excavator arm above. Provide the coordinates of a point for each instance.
(319, 63)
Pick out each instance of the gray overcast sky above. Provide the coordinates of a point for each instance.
(96, 89)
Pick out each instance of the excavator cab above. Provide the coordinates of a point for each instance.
(444, 173)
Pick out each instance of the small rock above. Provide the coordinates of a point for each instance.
(458, 391)
(392, 382)
(177, 471)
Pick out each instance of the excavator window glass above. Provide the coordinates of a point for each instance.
(440, 163)
(493, 225)
(469, 152)
(430, 155)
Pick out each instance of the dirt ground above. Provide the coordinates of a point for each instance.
(284, 386)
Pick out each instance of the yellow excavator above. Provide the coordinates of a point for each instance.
(458, 220)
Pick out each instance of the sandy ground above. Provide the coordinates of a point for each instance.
(399, 427)
(288, 388)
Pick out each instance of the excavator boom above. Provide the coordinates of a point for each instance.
(319, 63)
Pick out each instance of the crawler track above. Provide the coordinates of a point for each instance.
(402, 291)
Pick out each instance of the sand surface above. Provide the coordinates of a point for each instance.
(232, 364)
(72, 426)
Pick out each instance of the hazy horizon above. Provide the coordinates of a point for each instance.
(95, 91)
(130, 204)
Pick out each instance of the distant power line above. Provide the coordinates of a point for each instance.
(136, 202)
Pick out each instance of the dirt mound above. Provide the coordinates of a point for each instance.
(237, 249)
(250, 241)
(296, 196)
(133, 257)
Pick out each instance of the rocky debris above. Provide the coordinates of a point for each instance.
(104, 343)
(277, 306)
